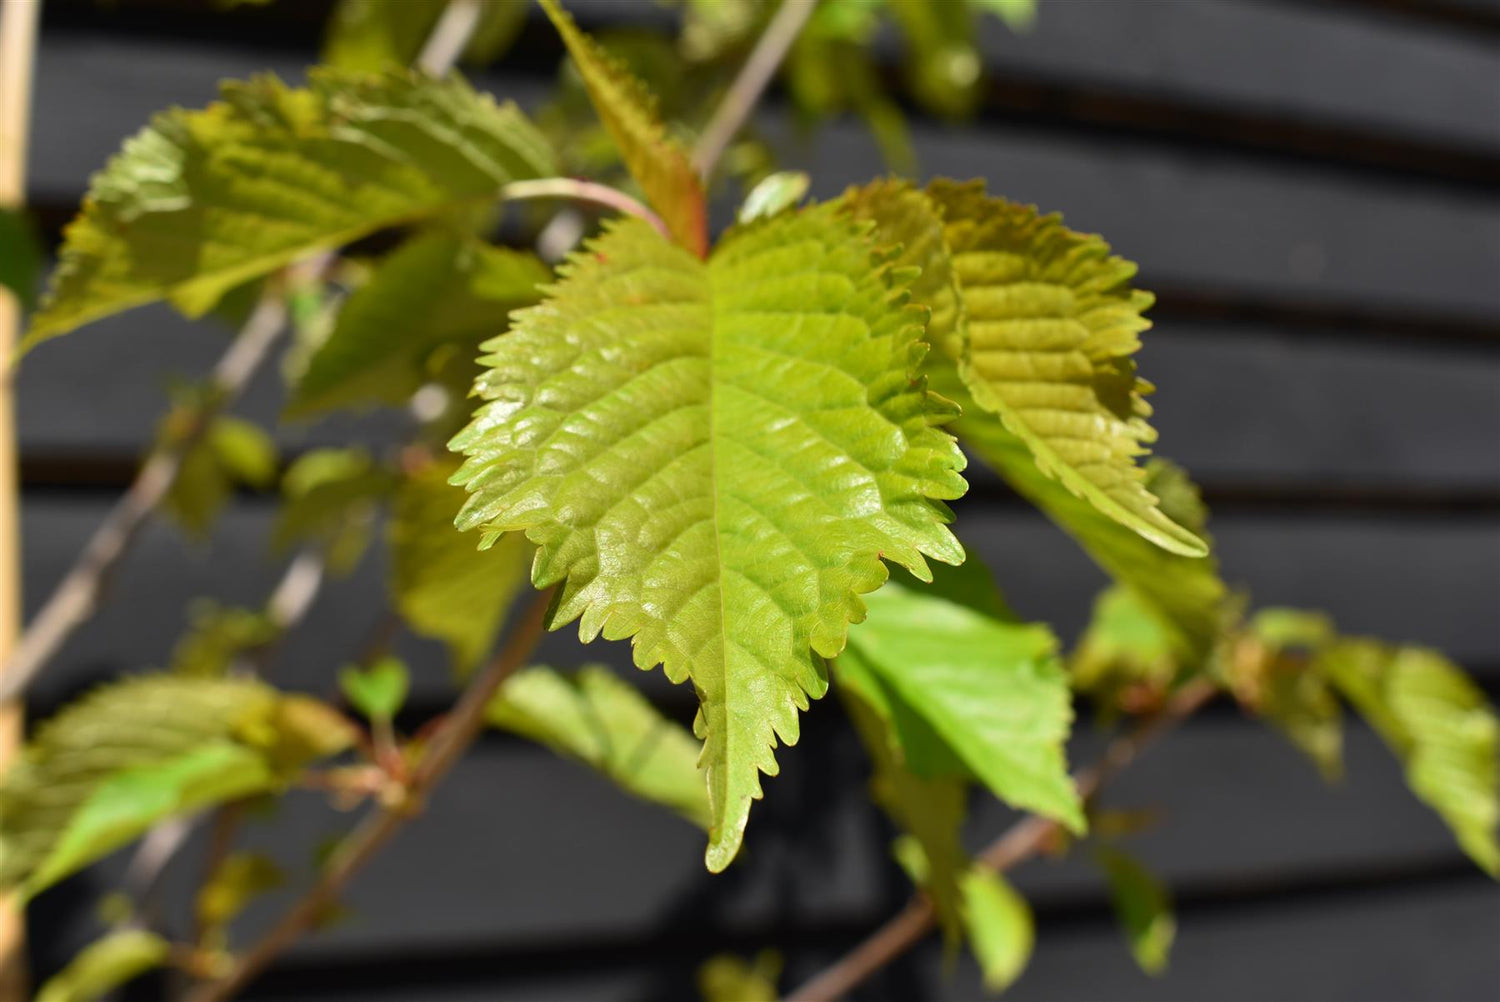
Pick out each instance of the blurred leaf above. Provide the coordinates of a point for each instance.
(1000, 928)
(774, 194)
(239, 879)
(1126, 650)
(1437, 722)
(658, 162)
(960, 685)
(713, 29)
(330, 497)
(604, 722)
(442, 584)
(1019, 15)
(20, 255)
(217, 636)
(1144, 908)
(230, 453)
(1293, 628)
(201, 201)
(378, 691)
(104, 965)
(1273, 671)
(370, 35)
(930, 810)
(942, 64)
(133, 753)
(727, 978)
(436, 290)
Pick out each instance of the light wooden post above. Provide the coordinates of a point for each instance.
(18, 31)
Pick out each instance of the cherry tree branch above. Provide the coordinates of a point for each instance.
(459, 729)
(747, 88)
(1020, 842)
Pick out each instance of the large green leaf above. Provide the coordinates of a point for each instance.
(130, 754)
(599, 719)
(437, 295)
(1051, 325)
(658, 162)
(1185, 591)
(106, 964)
(714, 458)
(1438, 723)
(201, 201)
(961, 686)
(440, 584)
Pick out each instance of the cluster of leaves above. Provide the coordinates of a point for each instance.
(713, 449)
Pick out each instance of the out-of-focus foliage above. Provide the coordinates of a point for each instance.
(228, 454)
(440, 583)
(217, 635)
(239, 879)
(604, 722)
(135, 752)
(329, 500)
(728, 978)
(202, 201)
(105, 965)
(1144, 908)
(20, 255)
(367, 35)
(379, 690)
(999, 926)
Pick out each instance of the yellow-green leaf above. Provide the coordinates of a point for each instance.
(231, 452)
(133, 753)
(330, 498)
(714, 458)
(440, 584)
(1000, 927)
(658, 162)
(428, 304)
(239, 879)
(217, 636)
(1144, 908)
(1439, 725)
(604, 722)
(201, 201)
(727, 978)
(106, 964)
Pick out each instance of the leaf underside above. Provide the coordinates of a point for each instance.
(201, 201)
(714, 457)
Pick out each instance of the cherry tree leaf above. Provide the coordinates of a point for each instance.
(714, 458)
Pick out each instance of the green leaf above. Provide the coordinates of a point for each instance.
(727, 978)
(106, 964)
(378, 691)
(1186, 592)
(440, 584)
(330, 497)
(230, 453)
(217, 636)
(630, 430)
(20, 255)
(1126, 651)
(239, 879)
(658, 162)
(774, 194)
(929, 809)
(136, 752)
(1144, 908)
(436, 296)
(1000, 927)
(1437, 722)
(604, 722)
(201, 201)
(1051, 325)
(942, 65)
(962, 685)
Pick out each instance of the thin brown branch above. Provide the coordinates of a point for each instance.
(576, 190)
(745, 92)
(1020, 842)
(447, 746)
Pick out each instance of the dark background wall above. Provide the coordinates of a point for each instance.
(1314, 191)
